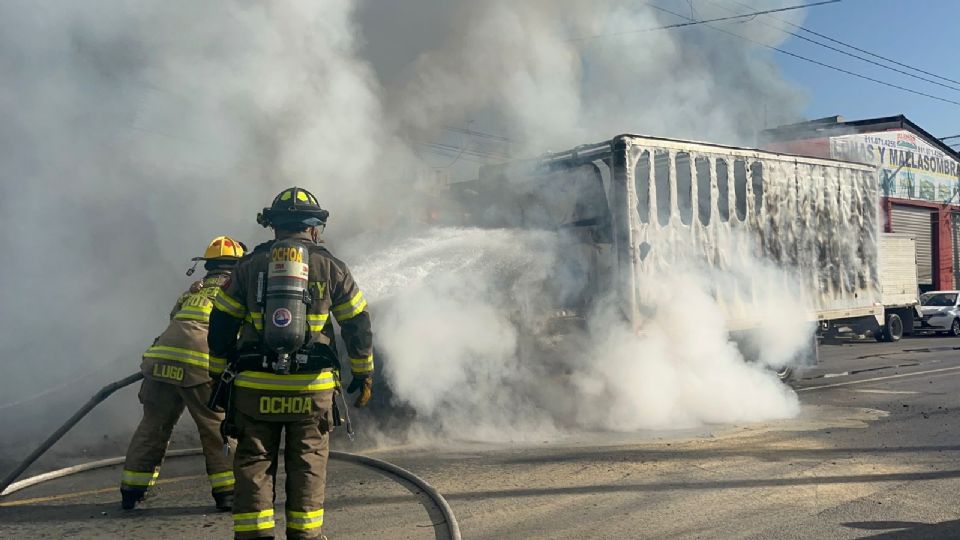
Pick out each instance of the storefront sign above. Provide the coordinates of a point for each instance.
(909, 167)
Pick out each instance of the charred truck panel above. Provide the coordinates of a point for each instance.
(721, 205)
(634, 207)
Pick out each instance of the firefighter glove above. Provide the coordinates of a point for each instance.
(365, 385)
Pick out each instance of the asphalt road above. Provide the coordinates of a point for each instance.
(875, 453)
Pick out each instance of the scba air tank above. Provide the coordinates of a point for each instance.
(285, 301)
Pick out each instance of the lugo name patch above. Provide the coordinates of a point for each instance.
(168, 372)
(286, 405)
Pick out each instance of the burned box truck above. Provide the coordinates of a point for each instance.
(632, 208)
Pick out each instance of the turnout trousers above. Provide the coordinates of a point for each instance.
(163, 404)
(307, 446)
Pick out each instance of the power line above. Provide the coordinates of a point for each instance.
(476, 133)
(693, 22)
(858, 57)
(879, 56)
(907, 73)
(950, 137)
(816, 62)
(470, 151)
(464, 151)
(858, 49)
(456, 158)
(448, 154)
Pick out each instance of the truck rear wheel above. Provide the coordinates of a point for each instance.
(892, 328)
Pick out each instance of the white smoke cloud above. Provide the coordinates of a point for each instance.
(451, 305)
(556, 73)
(684, 367)
(459, 316)
(666, 380)
(135, 132)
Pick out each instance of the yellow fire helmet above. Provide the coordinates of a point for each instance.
(223, 247)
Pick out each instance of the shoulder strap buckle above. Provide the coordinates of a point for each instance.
(228, 375)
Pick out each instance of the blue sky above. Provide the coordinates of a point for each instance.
(920, 33)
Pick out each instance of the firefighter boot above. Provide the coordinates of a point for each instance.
(130, 497)
(224, 500)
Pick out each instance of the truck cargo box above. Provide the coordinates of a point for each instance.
(657, 204)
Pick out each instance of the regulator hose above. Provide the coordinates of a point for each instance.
(8, 487)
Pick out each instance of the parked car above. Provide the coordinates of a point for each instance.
(941, 313)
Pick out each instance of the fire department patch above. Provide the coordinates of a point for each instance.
(282, 317)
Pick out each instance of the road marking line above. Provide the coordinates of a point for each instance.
(24, 502)
(874, 379)
(879, 391)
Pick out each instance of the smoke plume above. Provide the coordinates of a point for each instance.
(135, 132)
(460, 320)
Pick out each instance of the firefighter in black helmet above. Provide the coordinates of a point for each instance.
(280, 298)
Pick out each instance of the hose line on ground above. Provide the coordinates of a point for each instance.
(82, 467)
(8, 486)
(97, 398)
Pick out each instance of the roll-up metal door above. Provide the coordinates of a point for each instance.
(917, 222)
(955, 222)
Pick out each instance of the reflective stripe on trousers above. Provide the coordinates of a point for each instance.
(139, 479)
(304, 521)
(253, 521)
(222, 481)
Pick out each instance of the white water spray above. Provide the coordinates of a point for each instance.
(453, 310)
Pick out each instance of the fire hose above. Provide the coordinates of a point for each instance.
(8, 486)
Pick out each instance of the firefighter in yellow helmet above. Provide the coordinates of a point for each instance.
(286, 367)
(177, 372)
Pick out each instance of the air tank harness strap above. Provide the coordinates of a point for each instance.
(305, 362)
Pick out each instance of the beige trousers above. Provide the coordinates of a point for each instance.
(163, 404)
(307, 446)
